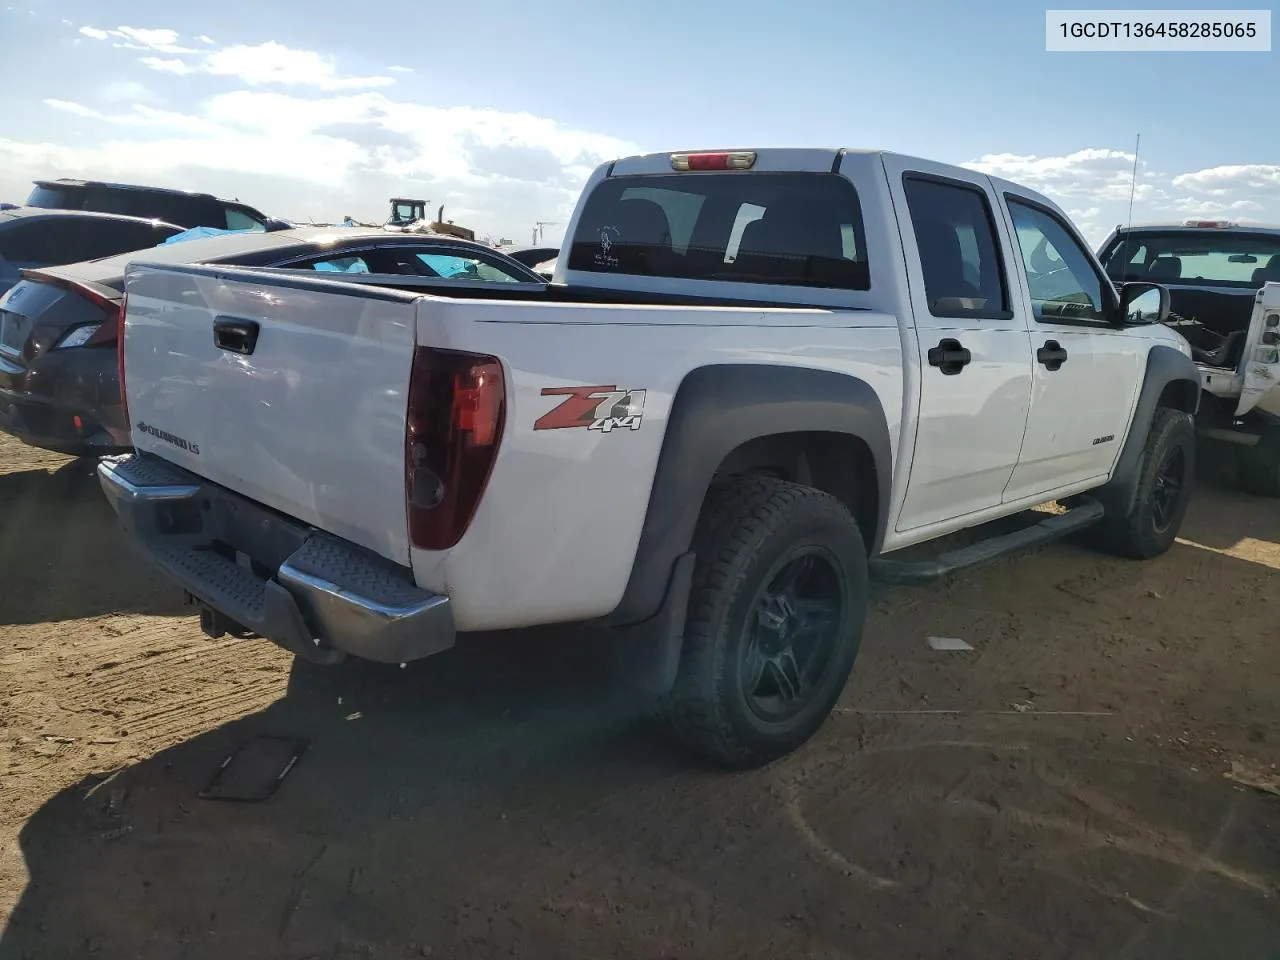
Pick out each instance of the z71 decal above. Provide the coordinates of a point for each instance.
(596, 408)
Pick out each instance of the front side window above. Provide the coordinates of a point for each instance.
(794, 229)
(1061, 280)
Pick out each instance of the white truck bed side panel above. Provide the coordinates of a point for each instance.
(555, 535)
(311, 423)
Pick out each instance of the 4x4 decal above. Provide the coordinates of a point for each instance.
(600, 408)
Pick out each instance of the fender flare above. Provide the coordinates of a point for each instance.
(715, 410)
(1165, 365)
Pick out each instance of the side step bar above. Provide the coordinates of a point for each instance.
(912, 572)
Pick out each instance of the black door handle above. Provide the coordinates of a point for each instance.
(949, 357)
(1052, 355)
(237, 336)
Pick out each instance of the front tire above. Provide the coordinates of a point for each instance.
(1165, 481)
(775, 620)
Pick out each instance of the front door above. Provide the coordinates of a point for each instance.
(1087, 372)
(975, 380)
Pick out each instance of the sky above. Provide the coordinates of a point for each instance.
(499, 109)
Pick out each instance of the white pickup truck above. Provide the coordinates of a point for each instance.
(1223, 280)
(755, 377)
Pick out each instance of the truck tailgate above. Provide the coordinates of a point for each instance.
(289, 390)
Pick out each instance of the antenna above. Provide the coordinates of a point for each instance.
(1128, 232)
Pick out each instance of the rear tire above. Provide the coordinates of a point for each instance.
(775, 620)
(1166, 476)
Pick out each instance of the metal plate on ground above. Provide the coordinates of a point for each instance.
(255, 769)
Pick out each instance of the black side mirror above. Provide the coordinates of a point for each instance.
(1142, 303)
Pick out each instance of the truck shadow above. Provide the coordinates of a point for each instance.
(61, 553)
(1221, 515)
(504, 800)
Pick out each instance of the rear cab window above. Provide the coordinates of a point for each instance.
(56, 198)
(794, 229)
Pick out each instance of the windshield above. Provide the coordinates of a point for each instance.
(1195, 258)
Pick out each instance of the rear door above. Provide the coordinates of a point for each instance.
(975, 379)
(106, 238)
(1087, 372)
(291, 391)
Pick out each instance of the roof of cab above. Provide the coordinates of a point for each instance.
(809, 160)
(1233, 227)
(230, 245)
(17, 213)
(64, 182)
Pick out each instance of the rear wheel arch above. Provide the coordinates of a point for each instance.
(817, 427)
(840, 464)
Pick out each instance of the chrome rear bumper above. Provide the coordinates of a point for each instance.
(311, 593)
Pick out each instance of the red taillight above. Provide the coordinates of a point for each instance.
(105, 335)
(457, 405)
(712, 161)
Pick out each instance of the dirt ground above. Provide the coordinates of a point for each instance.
(1063, 790)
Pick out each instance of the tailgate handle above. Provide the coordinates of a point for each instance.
(238, 336)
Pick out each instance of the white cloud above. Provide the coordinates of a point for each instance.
(1226, 180)
(396, 69)
(1093, 186)
(167, 65)
(497, 172)
(139, 38)
(274, 63)
(256, 65)
(126, 91)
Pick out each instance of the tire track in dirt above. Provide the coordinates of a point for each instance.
(528, 810)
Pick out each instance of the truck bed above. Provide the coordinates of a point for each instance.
(312, 421)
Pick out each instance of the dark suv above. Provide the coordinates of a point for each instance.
(172, 206)
(41, 238)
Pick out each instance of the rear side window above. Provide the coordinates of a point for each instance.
(797, 229)
(959, 255)
(36, 241)
(465, 268)
(106, 238)
(351, 264)
(149, 205)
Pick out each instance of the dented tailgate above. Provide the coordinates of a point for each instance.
(289, 390)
